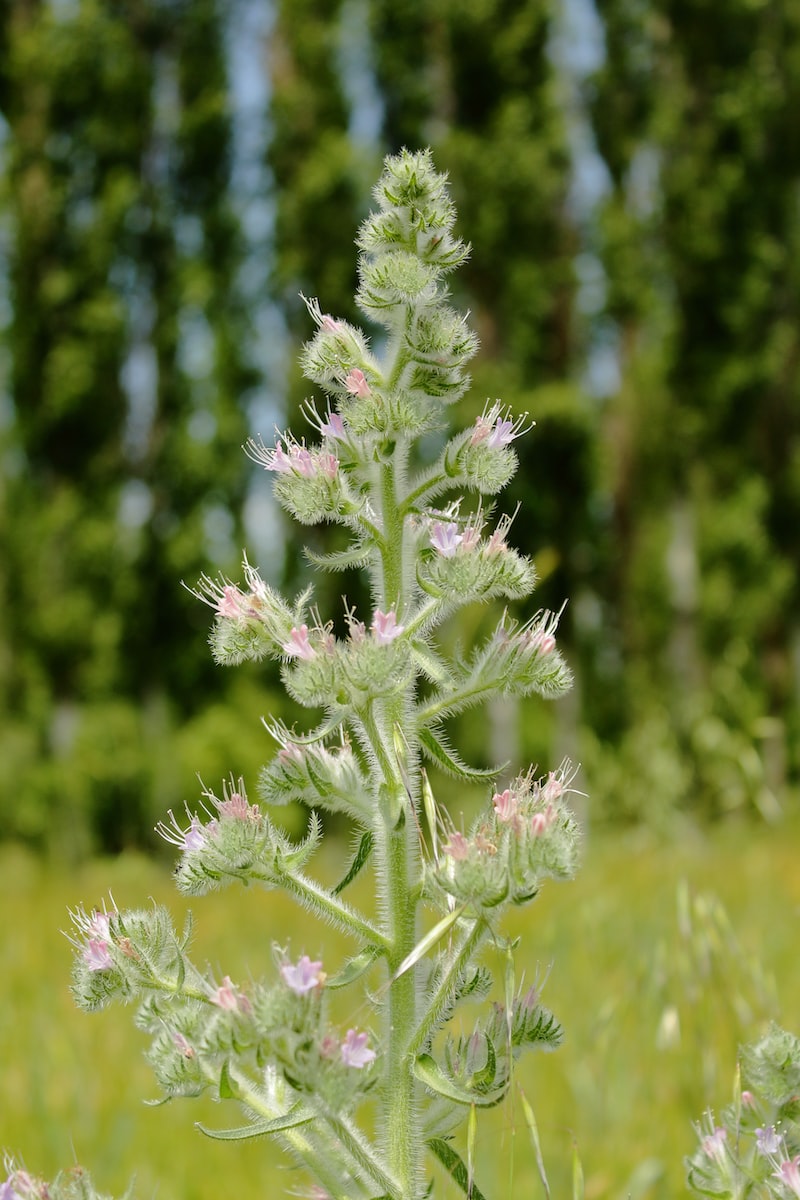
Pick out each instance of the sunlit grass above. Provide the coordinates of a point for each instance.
(653, 1003)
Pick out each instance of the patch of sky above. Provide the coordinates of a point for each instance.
(577, 49)
(135, 504)
(218, 529)
(643, 182)
(355, 57)
(139, 378)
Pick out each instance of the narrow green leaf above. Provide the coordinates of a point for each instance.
(472, 1133)
(354, 969)
(429, 941)
(228, 1087)
(577, 1174)
(340, 560)
(430, 664)
(530, 1121)
(449, 761)
(482, 1080)
(453, 1163)
(360, 859)
(429, 804)
(431, 1075)
(296, 1116)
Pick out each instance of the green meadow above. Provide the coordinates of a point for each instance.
(662, 957)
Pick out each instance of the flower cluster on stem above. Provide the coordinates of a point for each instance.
(270, 1045)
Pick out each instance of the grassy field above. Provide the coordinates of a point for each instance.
(663, 958)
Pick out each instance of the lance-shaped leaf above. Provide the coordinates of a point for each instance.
(454, 1164)
(357, 555)
(428, 1072)
(295, 1116)
(360, 860)
(428, 941)
(355, 968)
(533, 1128)
(445, 757)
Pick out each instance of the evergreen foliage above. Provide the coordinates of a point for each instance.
(667, 505)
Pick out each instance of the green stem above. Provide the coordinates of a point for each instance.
(356, 1145)
(320, 1160)
(437, 1005)
(318, 899)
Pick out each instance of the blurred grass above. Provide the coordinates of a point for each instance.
(663, 958)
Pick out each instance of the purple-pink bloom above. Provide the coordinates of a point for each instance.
(457, 846)
(789, 1174)
(333, 427)
(505, 805)
(232, 603)
(227, 998)
(302, 976)
(193, 838)
(328, 465)
(185, 1047)
(96, 955)
(445, 538)
(276, 460)
(356, 383)
(714, 1143)
(7, 1191)
(502, 434)
(385, 627)
(298, 645)
(355, 1051)
(541, 821)
(767, 1140)
(303, 462)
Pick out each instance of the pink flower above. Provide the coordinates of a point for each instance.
(182, 1044)
(505, 805)
(767, 1140)
(298, 645)
(227, 998)
(355, 1051)
(445, 538)
(714, 1144)
(496, 428)
(457, 846)
(541, 821)
(328, 465)
(97, 956)
(385, 627)
(501, 434)
(232, 603)
(291, 753)
(303, 462)
(275, 460)
(301, 977)
(100, 925)
(330, 324)
(789, 1174)
(237, 807)
(333, 427)
(193, 838)
(356, 383)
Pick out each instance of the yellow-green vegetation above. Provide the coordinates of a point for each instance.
(663, 957)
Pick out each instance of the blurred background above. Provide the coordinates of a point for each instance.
(173, 173)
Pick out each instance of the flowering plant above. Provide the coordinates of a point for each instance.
(754, 1150)
(386, 689)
